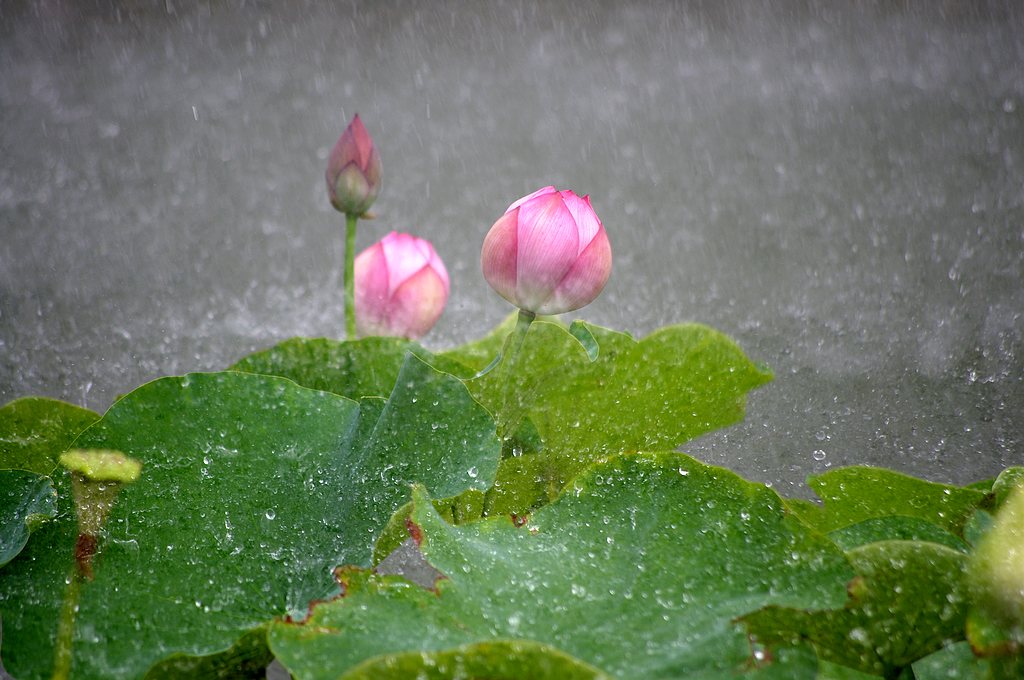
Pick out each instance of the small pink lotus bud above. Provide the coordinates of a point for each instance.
(401, 287)
(548, 253)
(353, 170)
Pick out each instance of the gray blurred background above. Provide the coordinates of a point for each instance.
(839, 186)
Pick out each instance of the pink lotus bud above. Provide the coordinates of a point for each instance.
(401, 287)
(548, 253)
(353, 170)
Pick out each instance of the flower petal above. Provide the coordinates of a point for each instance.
(417, 304)
(548, 245)
(587, 222)
(358, 142)
(539, 192)
(499, 254)
(585, 279)
(371, 290)
(405, 255)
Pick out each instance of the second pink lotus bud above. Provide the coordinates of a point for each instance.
(401, 287)
(548, 253)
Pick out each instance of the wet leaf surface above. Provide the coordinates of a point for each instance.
(638, 569)
(604, 395)
(478, 354)
(34, 431)
(953, 662)
(584, 392)
(26, 501)
(252, 490)
(367, 367)
(908, 600)
(497, 660)
(856, 494)
(894, 528)
(659, 392)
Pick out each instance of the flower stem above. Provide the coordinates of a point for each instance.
(518, 335)
(349, 279)
(516, 338)
(66, 627)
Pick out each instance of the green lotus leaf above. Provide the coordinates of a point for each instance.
(478, 354)
(606, 394)
(247, 658)
(834, 671)
(580, 393)
(496, 660)
(953, 662)
(859, 493)
(894, 528)
(639, 569)
(26, 501)
(909, 599)
(367, 367)
(252, 489)
(659, 392)
(34, 431)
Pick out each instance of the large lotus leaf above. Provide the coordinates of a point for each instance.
(34, 431)
(478, 354)
(496, 660)
(908, 600)
(859, 493)
(32, 587)
(639, 570)
(675, 384)
(26, 500)
(252, 490)
(519, 659)
(977, 526)
(894, 528)
(522, 484)
(590, 392)
(834, 671)
(954, 662)
(247, 658)
(367, 367)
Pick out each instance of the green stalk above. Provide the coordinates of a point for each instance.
(516, 338)
(350, 273)
(518, 335)
(66, 628)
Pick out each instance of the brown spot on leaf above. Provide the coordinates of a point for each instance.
(857, 588)
(342, 576)
(414, 531)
